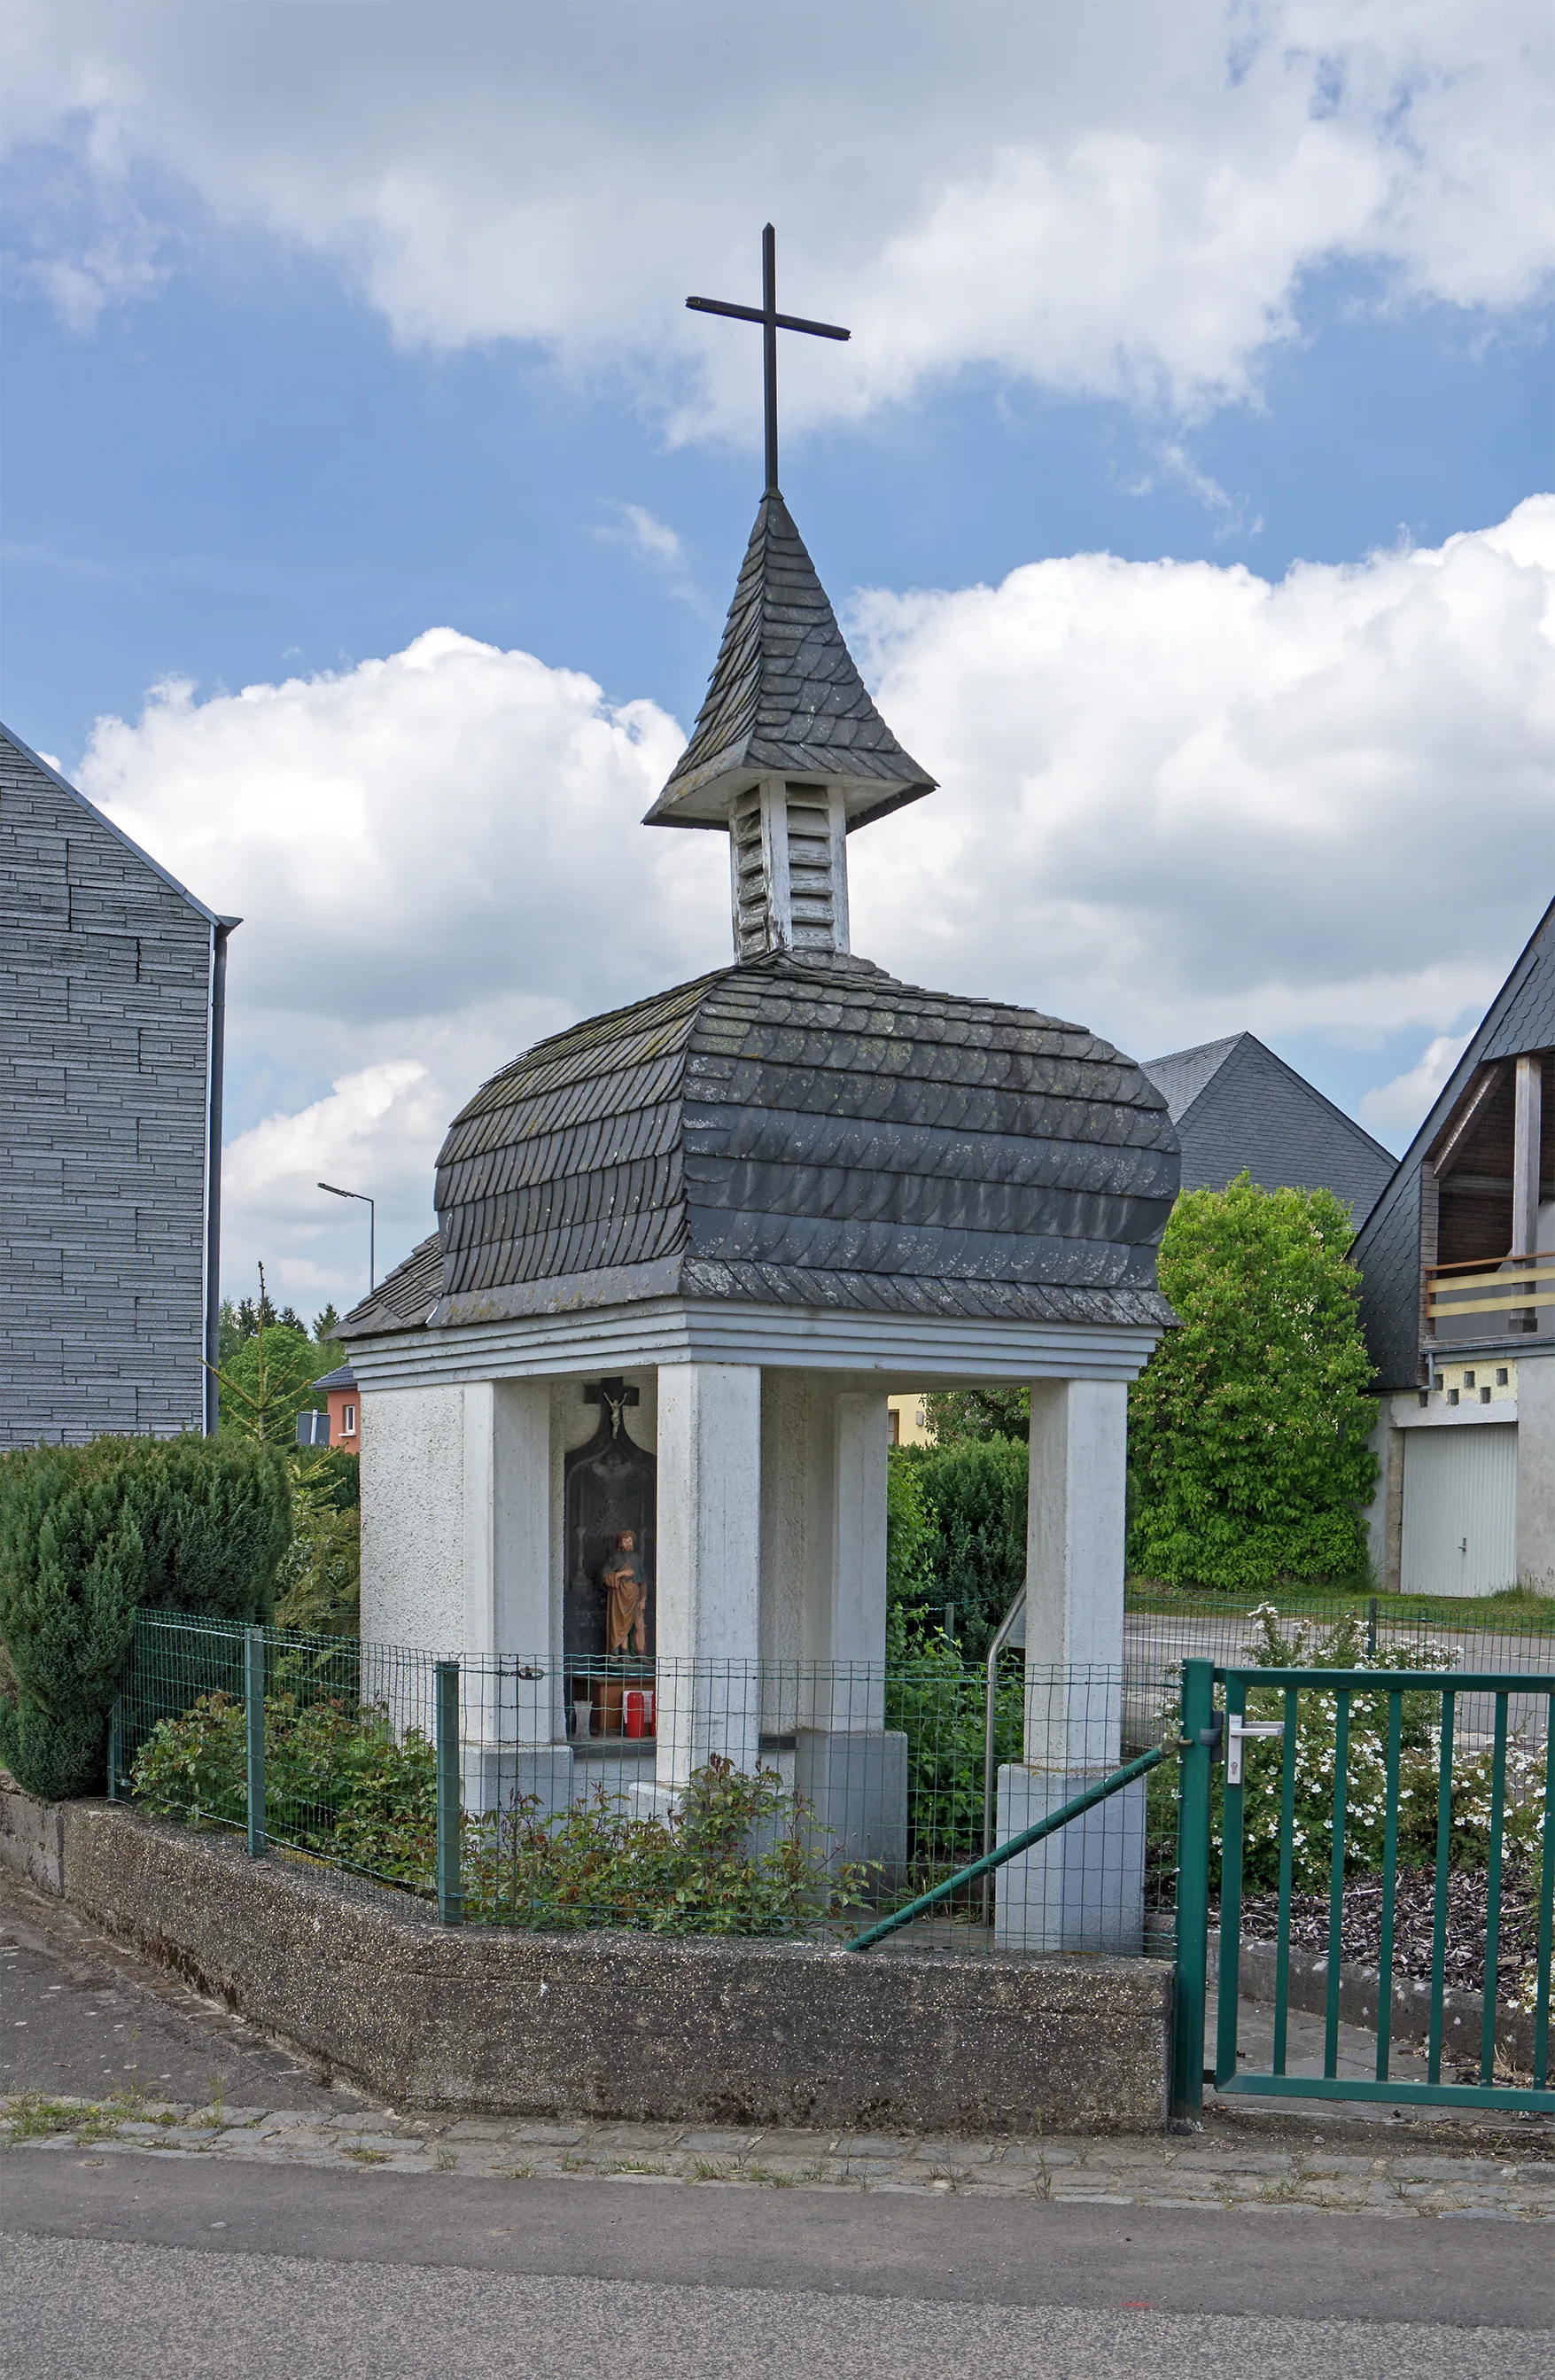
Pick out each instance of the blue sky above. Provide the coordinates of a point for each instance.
(261, 427)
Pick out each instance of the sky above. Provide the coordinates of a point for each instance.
(371, 504)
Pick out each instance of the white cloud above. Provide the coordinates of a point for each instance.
(653, 542)
(378, 1129)
(437, 860)
(1394, 1111)
(1178, 799)
(1175, 801)
(1121, 200)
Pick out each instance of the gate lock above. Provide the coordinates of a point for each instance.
(1237, 1730)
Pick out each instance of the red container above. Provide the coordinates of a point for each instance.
(636, 1710)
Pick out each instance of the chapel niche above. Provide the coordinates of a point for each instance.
(609, 1486)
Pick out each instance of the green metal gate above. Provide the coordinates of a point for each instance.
(1213, 1817)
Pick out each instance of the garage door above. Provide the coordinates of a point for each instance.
(1460, 1508)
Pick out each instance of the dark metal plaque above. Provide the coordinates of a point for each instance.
(609, 1485)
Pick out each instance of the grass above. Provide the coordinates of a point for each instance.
(1513, 1607)
(29, 2116)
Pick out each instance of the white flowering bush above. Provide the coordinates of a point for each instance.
(1343, 1647)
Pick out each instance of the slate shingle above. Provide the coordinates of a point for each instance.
(784, 697)
(807, 1132)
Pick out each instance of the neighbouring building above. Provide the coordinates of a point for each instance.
(1238, 1108)
(112, 992)
(344, 1408)
(1458, 1301)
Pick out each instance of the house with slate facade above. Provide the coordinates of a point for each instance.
(686, 1250)
(112, 981)
(1237, 1108)
(1457, 1260)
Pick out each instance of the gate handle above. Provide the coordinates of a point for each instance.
(1236, 1729)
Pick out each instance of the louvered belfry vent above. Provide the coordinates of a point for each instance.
(816, 872)
(788, 752)
(788, 864)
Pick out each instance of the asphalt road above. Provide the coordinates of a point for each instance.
(128, 2262)
(149, 2269)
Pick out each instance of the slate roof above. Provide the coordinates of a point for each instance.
(806, 1132)
(1520, 1018)
(1238, 1108)
(403, 1299)
(340, 1378)
(785, 696)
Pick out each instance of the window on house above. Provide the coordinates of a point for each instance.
(349, 1421)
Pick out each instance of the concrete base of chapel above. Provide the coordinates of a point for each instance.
(1082, 1890)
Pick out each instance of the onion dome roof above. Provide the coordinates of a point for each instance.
(804, 1132)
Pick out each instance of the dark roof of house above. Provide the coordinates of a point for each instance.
(1240, 1108)
(785, 696)
(808, 1133)
(1520, 1018)
(340, 1378)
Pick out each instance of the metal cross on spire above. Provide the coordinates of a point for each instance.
(772, 323)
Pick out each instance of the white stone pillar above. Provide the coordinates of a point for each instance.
(1081, 1889)
(512, 1722)
(709, 1567)
(849, 1770)
(1075, 1569)
(1536, 1473)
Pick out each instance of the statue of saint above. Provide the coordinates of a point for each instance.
(626, 1587)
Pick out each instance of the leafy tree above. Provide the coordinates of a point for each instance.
(955, 1415)
(1248, 1427)
(90, 1532)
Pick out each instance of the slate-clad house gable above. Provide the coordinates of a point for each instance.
(786, 696)
(1238, 1108)
(109, 1062)
(1389, 1248)
(793, 1132)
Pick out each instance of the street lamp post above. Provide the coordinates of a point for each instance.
(371, 1228)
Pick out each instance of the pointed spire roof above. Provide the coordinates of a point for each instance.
(785, 697)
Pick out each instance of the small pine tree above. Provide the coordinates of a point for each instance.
(87, 1534)
(1248, 1426)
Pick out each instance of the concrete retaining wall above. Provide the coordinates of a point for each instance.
(484, 2018)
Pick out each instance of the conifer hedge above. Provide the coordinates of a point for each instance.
(87, 1534)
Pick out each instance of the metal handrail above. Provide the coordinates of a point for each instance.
(1023, 1841)
(1001, 1639)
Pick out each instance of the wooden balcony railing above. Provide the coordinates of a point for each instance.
(1515, 1285)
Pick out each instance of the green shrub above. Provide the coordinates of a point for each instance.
(318, 1587)
(1248, 1426)
(90, 1532)
(735, 1856)
(939, 1704)
(975, 1494)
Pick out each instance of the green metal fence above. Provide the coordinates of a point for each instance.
(774, 1798)
(1339, 1786)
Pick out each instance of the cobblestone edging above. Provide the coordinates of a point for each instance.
(1212, 2174)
